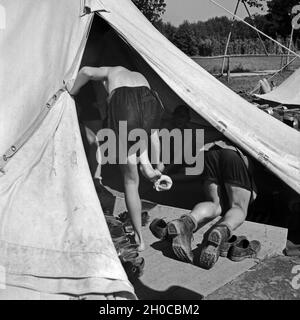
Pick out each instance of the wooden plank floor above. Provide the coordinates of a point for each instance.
(165, 277)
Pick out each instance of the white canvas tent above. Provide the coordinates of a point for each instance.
(53, 237)
(287, 93)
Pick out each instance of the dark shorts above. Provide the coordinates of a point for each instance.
(226, 166)
(140, 107)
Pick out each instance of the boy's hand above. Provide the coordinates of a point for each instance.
(164, 183)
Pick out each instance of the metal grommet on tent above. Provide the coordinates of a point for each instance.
(21, 141)
(52, 100)
(263, 158)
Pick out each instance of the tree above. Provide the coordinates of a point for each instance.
(167, 29)
(210, 37)
(185, 39)
(279, 16)
(152, 9)
(257, 3)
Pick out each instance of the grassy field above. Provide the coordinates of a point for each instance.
(247, 83)
(246, 63)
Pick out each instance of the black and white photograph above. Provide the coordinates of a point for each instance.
(149, 151)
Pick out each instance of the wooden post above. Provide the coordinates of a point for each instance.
(290, 45)
(229, 37)
(228, 69)
(281, 62)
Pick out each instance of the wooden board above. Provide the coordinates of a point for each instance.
(165, 277)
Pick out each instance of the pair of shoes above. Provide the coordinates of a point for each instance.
(116, 227)
(133, 265)
(227, 245)
(125, 218)
(238, 248)
(158, 227)
(128, 254)
(126, 249)
(244, 249)
(120, 242)
(211, 251)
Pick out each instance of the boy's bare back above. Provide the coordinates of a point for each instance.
(122, 77)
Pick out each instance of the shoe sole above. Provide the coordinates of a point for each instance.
(209, 255)
(177, 249)
(172, 230)
(238, 259)
(127, 249)
(224, 254)
(121, 241)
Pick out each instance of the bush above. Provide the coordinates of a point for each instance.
(239, 68)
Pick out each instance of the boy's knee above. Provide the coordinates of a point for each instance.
(131, 178)
(242, 206)
(218, 210)
(208, 210)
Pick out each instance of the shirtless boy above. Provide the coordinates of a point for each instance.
(130, 99)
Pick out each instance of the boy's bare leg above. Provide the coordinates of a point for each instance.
(206, 211)
(234, 217)
(184, 227)
(146, 167)
(132, 198)
(239, 199)
(156, 151)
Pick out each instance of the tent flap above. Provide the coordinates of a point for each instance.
(53, 234)
(93, 5)
(287, 93)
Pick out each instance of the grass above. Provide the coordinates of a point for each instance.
(245, 63)
(239, 68)
(247, 84)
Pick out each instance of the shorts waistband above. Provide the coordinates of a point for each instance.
(123, 87)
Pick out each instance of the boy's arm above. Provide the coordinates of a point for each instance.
(85, 75)
(156, 151)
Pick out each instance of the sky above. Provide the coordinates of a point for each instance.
(194, 10)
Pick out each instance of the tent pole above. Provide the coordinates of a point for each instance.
(275, 74)
(259, 36)
(229, 37)
(262, 33)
